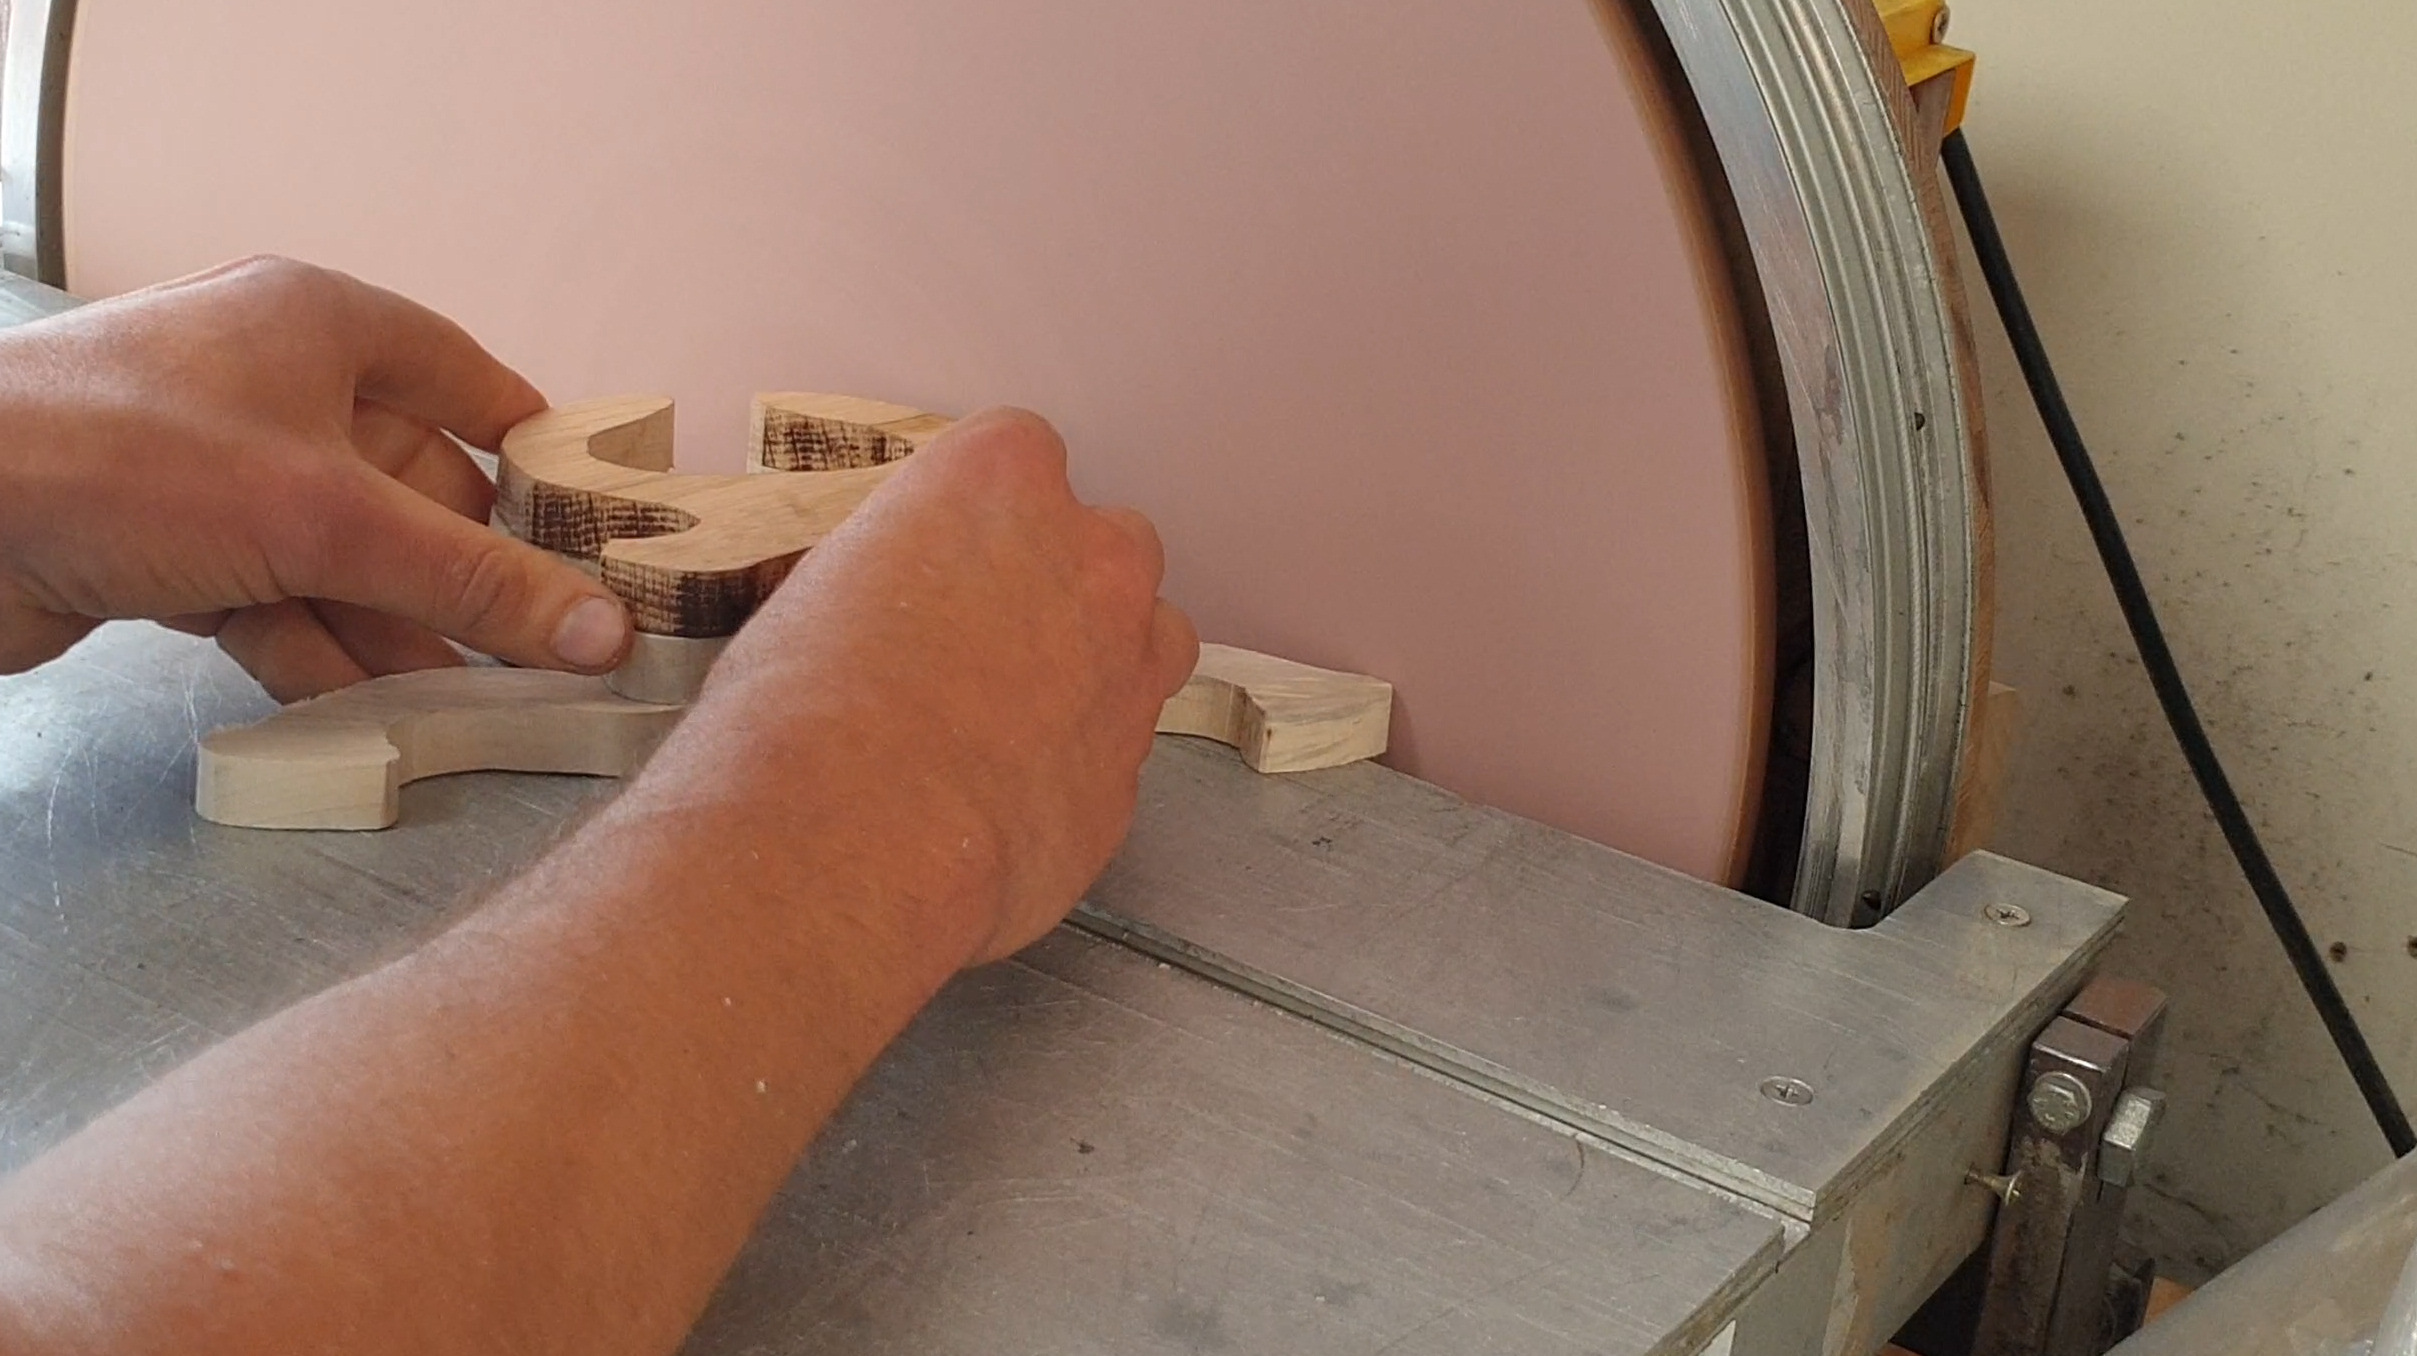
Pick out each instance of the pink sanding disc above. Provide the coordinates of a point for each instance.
(1403, 318)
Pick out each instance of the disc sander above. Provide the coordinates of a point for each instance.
(1405, 321)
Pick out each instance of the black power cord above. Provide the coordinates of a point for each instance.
(2158, 658)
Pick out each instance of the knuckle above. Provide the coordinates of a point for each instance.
(1122, 576)
(261, 267)
(290, 288)
(481, 585)
(273, 273)
(1015, 439)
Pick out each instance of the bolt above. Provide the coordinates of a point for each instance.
(2004, 1188)
(1787, 1091)
(2059, 1102)
(1938, 26)
(2008, 915)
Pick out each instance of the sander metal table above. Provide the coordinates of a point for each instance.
(1331, 1063)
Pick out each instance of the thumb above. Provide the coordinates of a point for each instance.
(407, 555)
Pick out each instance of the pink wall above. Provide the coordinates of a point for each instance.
(1397, 314)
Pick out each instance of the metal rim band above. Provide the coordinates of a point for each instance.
(33, 129)
(1864, 338)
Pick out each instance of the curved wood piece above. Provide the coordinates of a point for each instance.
(1282, 716)
(338, 762)
(693, 555)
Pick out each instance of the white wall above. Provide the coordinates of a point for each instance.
(2214, 209)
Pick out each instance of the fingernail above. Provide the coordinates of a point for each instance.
(591, 635)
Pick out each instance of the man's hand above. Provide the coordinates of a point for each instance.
(978, 654)
(259, 453)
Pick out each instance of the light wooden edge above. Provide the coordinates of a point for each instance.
(1980, 790)
(1281, 716)
(339, 761)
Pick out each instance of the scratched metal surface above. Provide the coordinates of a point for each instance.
(1642, 1004)
(1090, 1153)
(1252, 1182)
(23, 299)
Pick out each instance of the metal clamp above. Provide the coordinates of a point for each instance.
(2080, 1133)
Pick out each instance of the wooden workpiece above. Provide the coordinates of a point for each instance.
(338, 761)
(1281, 716)
(692, 555)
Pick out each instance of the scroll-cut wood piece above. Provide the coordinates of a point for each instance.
(1281, 716)
(692, 555)
(338, 761)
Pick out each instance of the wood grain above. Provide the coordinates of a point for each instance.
(693, 555)
(804, 431)
(339, 761)
(1980, 788)
(1281, 716)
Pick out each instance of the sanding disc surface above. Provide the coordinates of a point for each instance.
(1401, 317)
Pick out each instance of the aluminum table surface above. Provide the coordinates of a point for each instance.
(1082, 1150)
(23, 300)
(1641, 1004)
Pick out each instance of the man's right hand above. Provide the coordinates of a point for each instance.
(980, 659)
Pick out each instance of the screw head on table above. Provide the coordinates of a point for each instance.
(1787, 1091)
(2008, 915)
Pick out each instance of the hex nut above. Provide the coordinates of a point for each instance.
(2124, 1146)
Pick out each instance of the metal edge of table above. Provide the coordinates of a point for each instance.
(1650, 1008)
(22, 301)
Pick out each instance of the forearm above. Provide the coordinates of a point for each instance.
(550, 1129)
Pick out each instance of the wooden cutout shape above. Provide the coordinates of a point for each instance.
(693, 555)
(338, 761)
(1281, 716)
